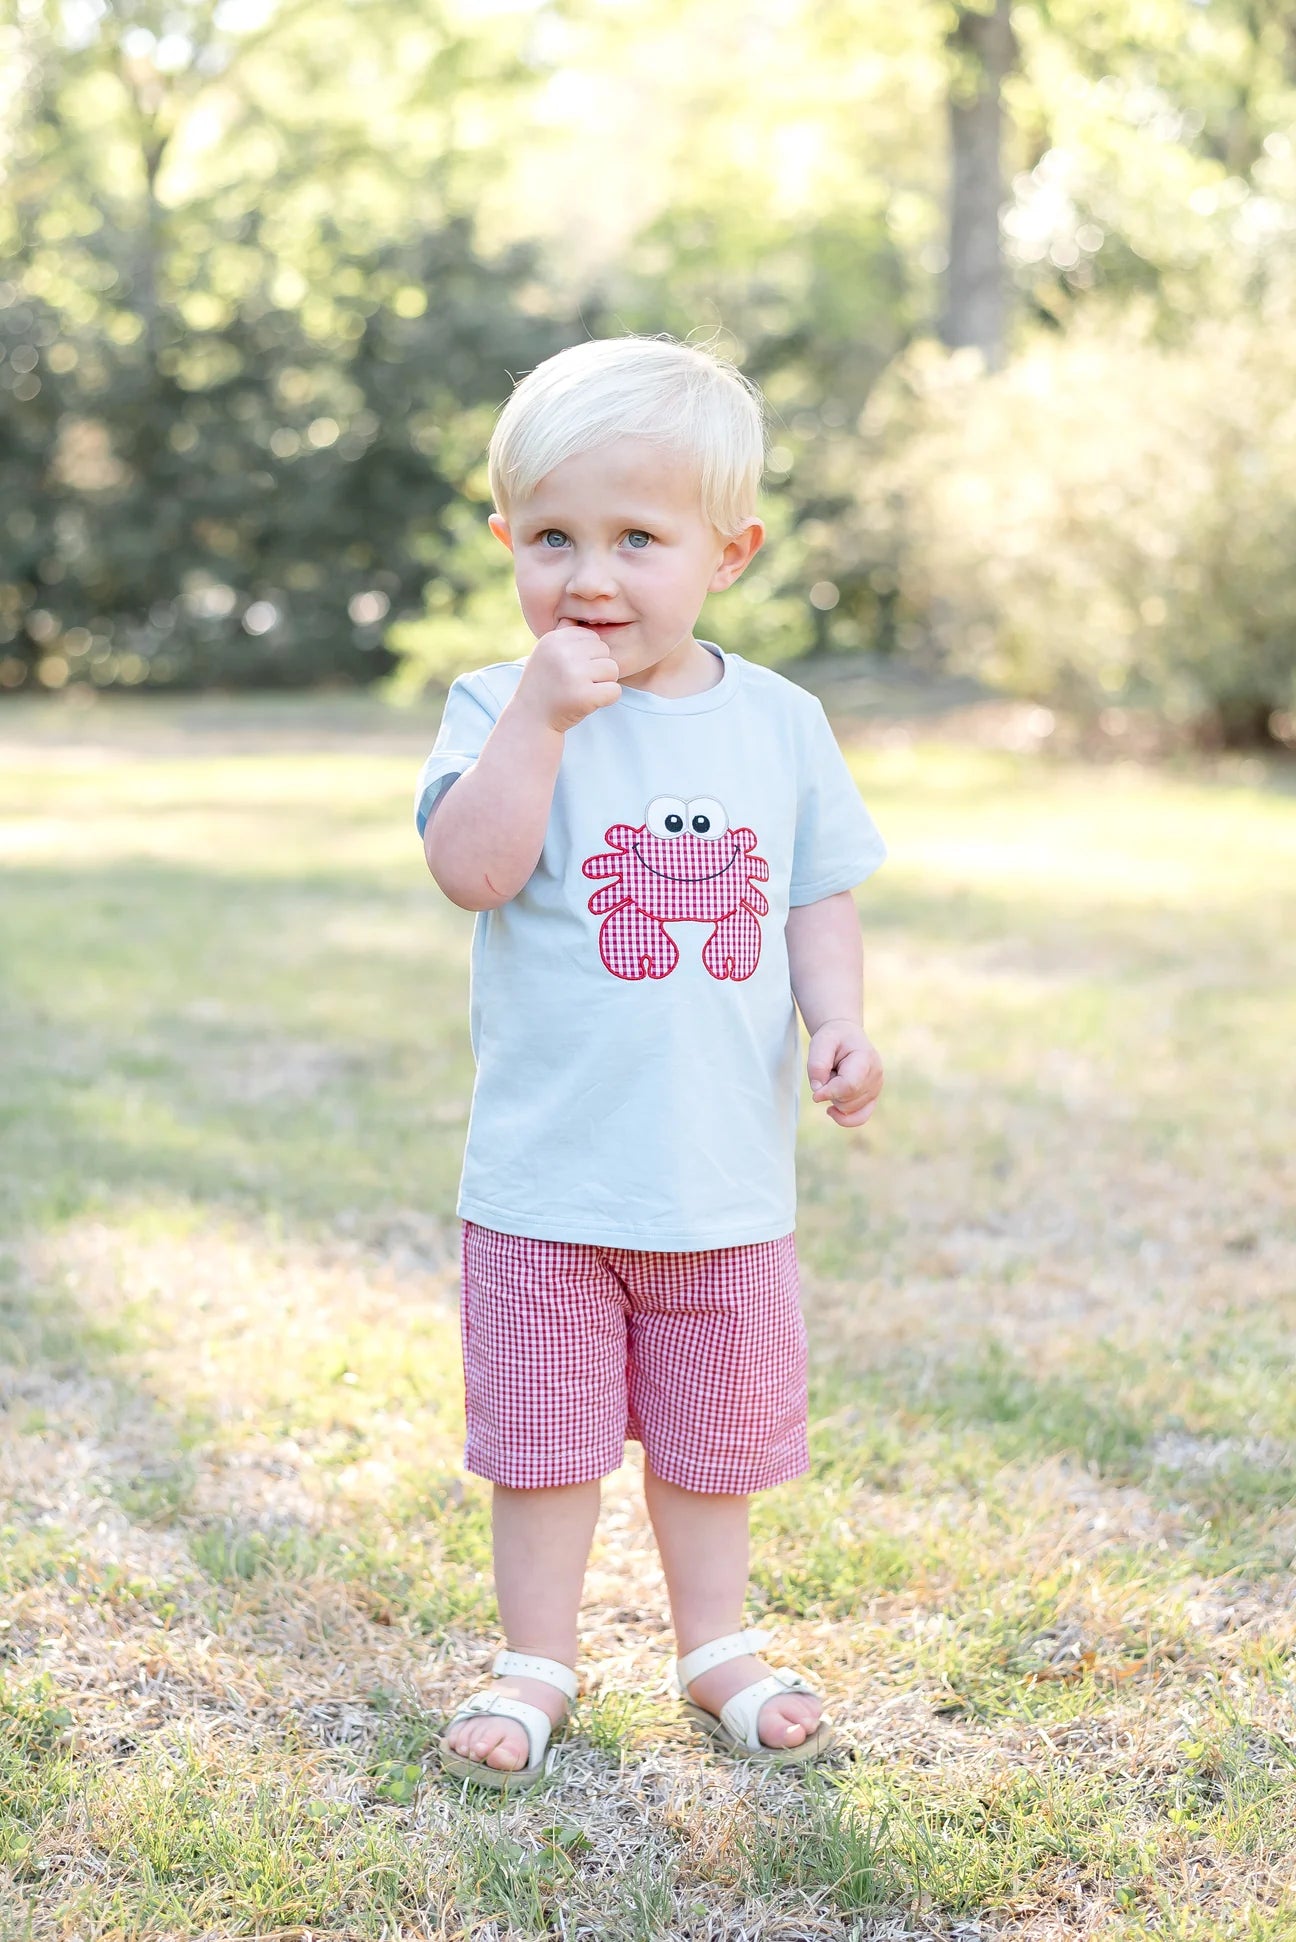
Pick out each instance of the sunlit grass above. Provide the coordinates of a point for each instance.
(1042, 1566)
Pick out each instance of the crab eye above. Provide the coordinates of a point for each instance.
(666, 816)
(706, 817)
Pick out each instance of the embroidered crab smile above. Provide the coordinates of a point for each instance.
(684, 876)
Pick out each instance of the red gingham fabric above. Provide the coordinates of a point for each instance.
(662, 880)
(570, 1348)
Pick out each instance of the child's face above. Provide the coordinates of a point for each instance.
(616, 539)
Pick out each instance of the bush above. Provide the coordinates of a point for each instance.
(247, 503)
(1108, 524)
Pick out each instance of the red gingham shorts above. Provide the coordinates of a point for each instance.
(570, 1348)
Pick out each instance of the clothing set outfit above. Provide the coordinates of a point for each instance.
(629, 1193)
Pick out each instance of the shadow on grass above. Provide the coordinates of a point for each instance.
(209, 1033)
(207, 1040)
(421, 1556)
(201, 1037)
(1145, 1417)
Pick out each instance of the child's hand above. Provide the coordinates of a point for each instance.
(569, 673)
(844, 1069)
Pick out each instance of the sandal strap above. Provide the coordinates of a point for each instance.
(536, 1724)
(529, 1665)
(734, 1645)
(741, 1714)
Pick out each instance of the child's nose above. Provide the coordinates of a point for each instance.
(591, 576)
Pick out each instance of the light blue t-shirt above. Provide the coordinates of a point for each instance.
(632, 1015)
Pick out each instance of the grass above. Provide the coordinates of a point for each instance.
(1044, 1561)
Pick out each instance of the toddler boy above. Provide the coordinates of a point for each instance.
(660, 839)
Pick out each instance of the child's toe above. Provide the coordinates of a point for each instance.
(507, 1758)
(491, 1742)
(506, 1747)
(790, 1721)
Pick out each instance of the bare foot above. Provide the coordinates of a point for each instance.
(501, 1742)
(786, 1720)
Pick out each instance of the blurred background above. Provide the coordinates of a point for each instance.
(1019, 284)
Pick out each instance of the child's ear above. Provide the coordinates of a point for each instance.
(500, 527)
(738, 554)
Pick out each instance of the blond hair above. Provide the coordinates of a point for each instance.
(687, 400)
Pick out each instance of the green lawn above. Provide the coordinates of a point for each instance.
(1044, 1566)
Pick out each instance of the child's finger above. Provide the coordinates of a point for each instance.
(852, 1119)
(842, 1082)
(855, 1066)
(819, 1065)
(860, 1079)
(850, 1091)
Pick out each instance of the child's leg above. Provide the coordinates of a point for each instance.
(702, 1537)
(544, 1340)
(542, 1542)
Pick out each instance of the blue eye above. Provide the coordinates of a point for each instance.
(553, 538)
(638, 540)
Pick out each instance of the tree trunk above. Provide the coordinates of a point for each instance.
(982, 48)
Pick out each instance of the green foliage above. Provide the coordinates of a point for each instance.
(261, 288)
(1108, 525)
(828, 1846)
(31, 1718)
(231, 424)
(246, 504)
(811, 1560)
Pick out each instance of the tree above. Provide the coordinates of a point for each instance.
(982, 48)
(231, 421)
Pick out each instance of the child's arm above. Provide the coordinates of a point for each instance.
(485, 836)
(826, 960)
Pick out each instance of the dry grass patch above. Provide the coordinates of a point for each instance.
(1043, 1565)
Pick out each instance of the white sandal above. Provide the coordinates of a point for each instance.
(736, 1726)
(536, 1724)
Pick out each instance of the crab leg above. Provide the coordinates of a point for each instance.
(733, 948)
(632, 944)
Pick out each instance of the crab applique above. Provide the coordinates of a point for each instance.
(683, 864)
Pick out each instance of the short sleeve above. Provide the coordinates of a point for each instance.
(469, 716)
(837, 842)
